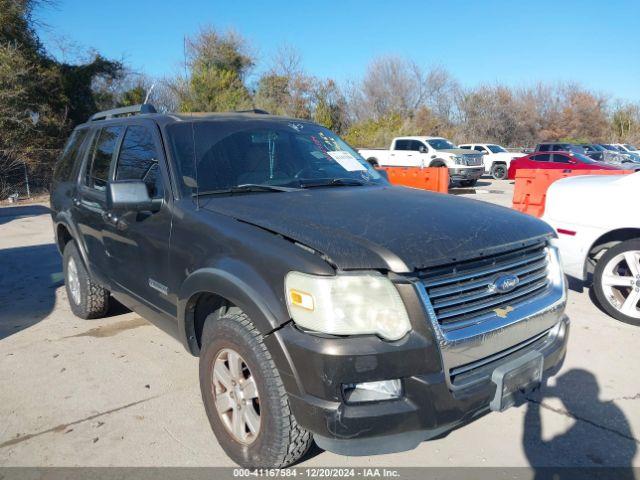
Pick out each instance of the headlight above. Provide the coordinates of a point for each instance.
(556, 273)
(459, 160)
(347, 304)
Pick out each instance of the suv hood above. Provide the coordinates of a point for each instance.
(386, 228)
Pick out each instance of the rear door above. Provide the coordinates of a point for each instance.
(401, 153)
(89, 203)
(138, 243)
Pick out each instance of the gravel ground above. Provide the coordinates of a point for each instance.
(119, 392)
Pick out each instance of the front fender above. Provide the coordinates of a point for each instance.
(262, 305)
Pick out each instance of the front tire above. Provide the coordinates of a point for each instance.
(86, 298)
(616, 282)
(243, 395)
(499, 171)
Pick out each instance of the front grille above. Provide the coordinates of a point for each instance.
(473, 160)
(460, 293)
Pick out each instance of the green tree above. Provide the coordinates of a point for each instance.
(218, 64)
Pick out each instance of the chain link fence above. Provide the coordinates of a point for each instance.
(26, 174)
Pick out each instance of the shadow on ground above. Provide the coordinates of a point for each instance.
(7, 214)
(599, 435)
(28, 283)
(29, 277)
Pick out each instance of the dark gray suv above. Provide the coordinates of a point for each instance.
(324, 303)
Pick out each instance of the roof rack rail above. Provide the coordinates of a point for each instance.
(117, 112)
(254, 110)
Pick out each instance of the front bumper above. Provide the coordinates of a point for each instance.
(473, 173)
(435, 398)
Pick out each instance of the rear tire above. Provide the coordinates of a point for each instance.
(616, 282)
(86, 298)
(499, 171)
(269, 436)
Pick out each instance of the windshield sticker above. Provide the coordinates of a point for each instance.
(347, 161)
(296, 126)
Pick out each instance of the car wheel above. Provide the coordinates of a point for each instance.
(373, 162)
(616, 281)
(86, 298)
(243, 395)
(499, 171)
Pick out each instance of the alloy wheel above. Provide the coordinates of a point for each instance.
(236, 396)
(73, 281)
(621, 282)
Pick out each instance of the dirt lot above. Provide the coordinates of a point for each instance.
(119, 392)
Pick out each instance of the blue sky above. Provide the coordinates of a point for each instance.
(593, 42)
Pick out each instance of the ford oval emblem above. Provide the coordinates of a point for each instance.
(504, 283)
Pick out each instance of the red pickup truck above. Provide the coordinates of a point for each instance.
(557, 160)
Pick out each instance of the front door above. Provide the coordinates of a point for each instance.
(138, 243)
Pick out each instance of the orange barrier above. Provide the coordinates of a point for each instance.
(531, 187)
(435, 179)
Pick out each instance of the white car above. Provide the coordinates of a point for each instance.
(496, 159)
(464, 167)
(627, 147)
(598, 230)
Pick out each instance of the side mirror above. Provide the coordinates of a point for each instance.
(130, 196)
(422, 149)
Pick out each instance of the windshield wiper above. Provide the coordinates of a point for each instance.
(244, 188)
(333, 182)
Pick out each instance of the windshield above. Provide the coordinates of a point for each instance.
(630, 147)
(235, 153)
(440, 144)
(496, 148)
(609, 147)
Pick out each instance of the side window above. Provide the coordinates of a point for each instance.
(544, 157)
(415, 145)
(402, 145)
(479, 148)
(559, 158)
(104, 145)
(64, 166)
(466, 147)
(543, 148)
(138, 160)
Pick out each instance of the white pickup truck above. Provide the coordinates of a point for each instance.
(496, 159)
(464, 167)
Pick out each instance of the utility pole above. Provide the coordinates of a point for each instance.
(26, 179)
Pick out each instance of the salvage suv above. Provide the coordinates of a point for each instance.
(324, 303)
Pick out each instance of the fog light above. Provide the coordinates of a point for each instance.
(372, 391)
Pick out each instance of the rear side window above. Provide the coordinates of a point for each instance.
(138, 159)
(65, 165)
(545, 157)
(104, 145)
(402, 145)
(479, 148)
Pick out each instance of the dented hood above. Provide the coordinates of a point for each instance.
(387, 228)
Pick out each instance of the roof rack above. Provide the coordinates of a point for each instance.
(117, 112)
(254, 110)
